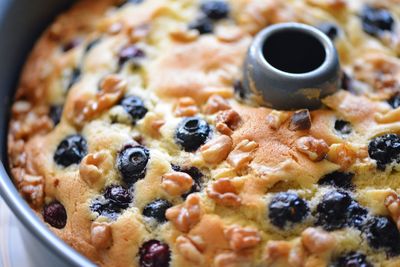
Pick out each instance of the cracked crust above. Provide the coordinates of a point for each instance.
(253, 154)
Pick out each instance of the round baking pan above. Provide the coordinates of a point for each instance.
(21, 23)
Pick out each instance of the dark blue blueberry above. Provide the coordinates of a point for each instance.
(338, 179)
(132, 162)
(157, 209)
(357, 215)
(128, 53)
(394, 101)
(385, 149)
(71, 150)
(134, 106)
(91, 45)
(343, 127)
(215, 9)
(352, 259)
(74, 77)
(55, 113)
(346, 82)
(118, 196)
(191, 133)
(332, 211)
(286, 209)
(202, 25)
(375, 21)
(382, 233)
(55, 214)
(153, 253)
(330, 29)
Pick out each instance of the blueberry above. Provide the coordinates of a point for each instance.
(74, 77)
(343, 127)
(375, 21)
(239, 89)
(104, 207)
(202, 25)
(130, 53)
(196, 175)
(191, 133)
(352, 259)
(135, 2)
(332, 211)
(91, 45)
(118, 196)
(346, 82)
(357, 215)
(153, 253)
(215, 9)
(55, 214)
(157, 209)
(55, 113)
(71, 150)
(385, 149)
(287, 208)
(134, 106)
(394, 101)
(132, 162)
(382, 233)
(338, 179)
(330, 29)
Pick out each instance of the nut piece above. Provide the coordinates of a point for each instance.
(32, 189)
(241, 156)
(242, 238)
(189, 249)
(224, 192)
(231, 259)
(216, 103)
(186, 107)
(301, 120)
(94, 166)
(186, 215)
(392, 203)
(183, 35)
(277, 249)
(315, 149)
(317, 241)
(227, 121)
(101, 235)
(217, 149)
(176, 183)
(342, 154)
(276, 118)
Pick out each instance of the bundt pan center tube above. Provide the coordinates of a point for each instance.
(20, 27)
(291, 66)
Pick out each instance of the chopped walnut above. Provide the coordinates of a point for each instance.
(231, 259)
(184, 35)
(176, 183)
(101, 235)
(226, 33)
(113, 88)
(329, 4)
(186, 215)
(342, 154)
(227, 121)
(94, 166)
(186, 107)
(241, 238)
(392, 203)
(216, 103)
(189, 249)
(32, 189)
(315, 149)
(241, 156)
(216, 150)
(317, 241)
(388, 117)
(292, 253)
(276, 118)
(301, 120)
(138, 33)
(224, 192)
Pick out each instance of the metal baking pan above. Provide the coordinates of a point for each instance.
(21, 23)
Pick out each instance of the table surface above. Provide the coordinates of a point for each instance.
(12, 250)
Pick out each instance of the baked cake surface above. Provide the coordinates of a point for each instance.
(133, 140)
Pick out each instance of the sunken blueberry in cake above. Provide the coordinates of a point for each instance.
(132, 138)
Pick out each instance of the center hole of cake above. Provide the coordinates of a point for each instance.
(294, 51)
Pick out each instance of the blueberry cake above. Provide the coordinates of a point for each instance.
(132, 138)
